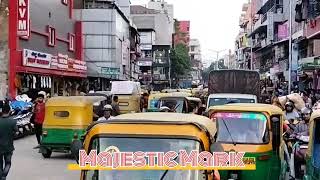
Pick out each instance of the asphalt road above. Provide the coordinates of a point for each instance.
(28, 164)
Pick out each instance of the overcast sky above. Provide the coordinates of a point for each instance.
(214, 22)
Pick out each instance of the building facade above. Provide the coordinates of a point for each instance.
(106, 37)
(4, 49)
(196, 60)
(155, 27)
(45, 45)
(182, 33)
(269, 39)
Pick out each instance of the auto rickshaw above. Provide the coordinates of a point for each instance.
(150, 132)
(153, 101)
(255, 129)
(180, 102)
(313, 153)
(129, 95)
(66, 119)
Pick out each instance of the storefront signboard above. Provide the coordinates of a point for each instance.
(23, 26)
(110, 71)
(36, 59)
(144, 63)
(60, 62)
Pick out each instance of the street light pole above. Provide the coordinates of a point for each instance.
(290, 46)
(251, 42)
(218, 52)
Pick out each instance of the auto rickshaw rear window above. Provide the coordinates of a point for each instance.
(61, 114)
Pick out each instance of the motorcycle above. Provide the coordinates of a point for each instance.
(298, 155)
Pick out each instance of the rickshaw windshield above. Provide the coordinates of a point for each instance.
(242, 128)
(174, 104)
(144, 145)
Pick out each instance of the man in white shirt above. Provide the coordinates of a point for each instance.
(107, 113)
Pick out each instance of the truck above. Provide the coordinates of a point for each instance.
(233, 86)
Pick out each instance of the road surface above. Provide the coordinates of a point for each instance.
(28, 164)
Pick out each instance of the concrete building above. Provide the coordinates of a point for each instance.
(45, 46)
(242, 49)
(196, 59)
(155, 27)
(106, 34)
(182, 34)
(4, 49)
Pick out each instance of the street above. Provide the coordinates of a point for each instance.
(27, 163)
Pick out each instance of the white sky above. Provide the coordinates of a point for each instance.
(214, 22)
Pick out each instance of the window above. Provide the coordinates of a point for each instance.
(65, 2)
(147, 145)
(51, 36)
(61, 114)
(71, 41)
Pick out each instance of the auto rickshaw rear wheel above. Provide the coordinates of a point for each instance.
(46, 153)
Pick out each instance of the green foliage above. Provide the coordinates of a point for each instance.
(180, 61)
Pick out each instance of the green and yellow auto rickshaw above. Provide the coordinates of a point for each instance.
(66, 119)
(153, 101)
(313, 153)
(256, 130)
(149, 132)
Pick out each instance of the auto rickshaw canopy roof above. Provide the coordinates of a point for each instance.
(159, 118)
(315, 116)
(72, 101)
(254, 107)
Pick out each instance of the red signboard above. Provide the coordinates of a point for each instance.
(23, 26)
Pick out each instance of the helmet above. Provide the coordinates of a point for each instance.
(289, 104)
(306, 111)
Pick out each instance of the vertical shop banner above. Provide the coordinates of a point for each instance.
(23, 26)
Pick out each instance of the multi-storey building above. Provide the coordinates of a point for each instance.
(45, 48)
(182, 33)
(243, 50)
(107, 47)
(155, 27)
(196, 60)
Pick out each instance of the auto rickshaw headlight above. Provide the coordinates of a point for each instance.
(45, 133)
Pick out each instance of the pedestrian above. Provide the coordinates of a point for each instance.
(39, 113)
(107, 110)
(115, 106)
(8, 127)
(307, 100)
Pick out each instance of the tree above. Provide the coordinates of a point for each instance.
(180, 61)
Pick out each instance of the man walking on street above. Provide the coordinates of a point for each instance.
(39, 111)
(8, 127)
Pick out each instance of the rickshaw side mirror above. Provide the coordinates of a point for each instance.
(276, 136)
(76, 146)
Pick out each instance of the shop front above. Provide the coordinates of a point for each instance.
(56, 74)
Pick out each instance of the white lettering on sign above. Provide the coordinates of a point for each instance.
(23, 29)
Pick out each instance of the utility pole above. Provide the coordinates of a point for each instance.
(251, 30)
(217, 60)
(290, 46)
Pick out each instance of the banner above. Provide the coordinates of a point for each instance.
(23, 26)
